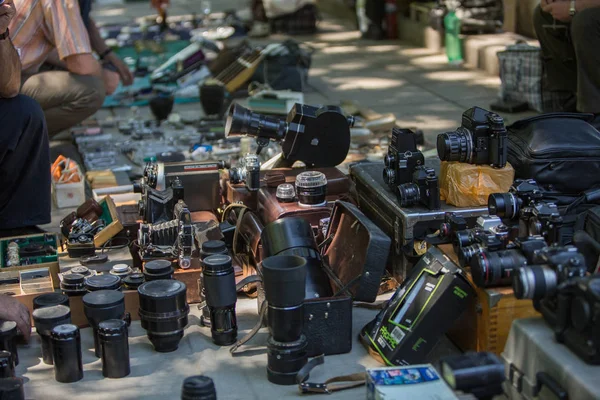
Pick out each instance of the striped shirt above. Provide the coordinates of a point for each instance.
(42, 26)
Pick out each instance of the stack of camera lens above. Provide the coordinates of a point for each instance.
(284, 279)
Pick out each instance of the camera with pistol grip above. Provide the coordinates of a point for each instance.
(406, 174)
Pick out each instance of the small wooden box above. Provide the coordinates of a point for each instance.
(113, 224)
(486, 323)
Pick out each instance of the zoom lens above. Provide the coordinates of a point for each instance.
(408, 194)
(164, 312)
(534, 282)
(455, 146)
(241, 121)
(496, 268)
(504, 205)
(209, 248)
(221, 296)
(285, 360)
(294, 236)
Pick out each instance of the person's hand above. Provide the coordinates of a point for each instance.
(12, 310)
(7, 12)
(158, 4)
(559, 10)
(122, 69)
(111, 81)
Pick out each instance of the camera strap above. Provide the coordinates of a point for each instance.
(335, 384)
(261, 317)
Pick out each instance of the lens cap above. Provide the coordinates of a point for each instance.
(50, 299)
(198, 387)
(162, 288)
(217, 263)
(102, 282)
(103, 298)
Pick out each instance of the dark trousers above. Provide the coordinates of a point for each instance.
(572, 56)
(24, 164)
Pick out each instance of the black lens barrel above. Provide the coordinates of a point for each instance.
(12, 389)
(158, 269)
(66, 351)
(49, 300)
(164, 312)
(241, 121)
(114, 341)
(285, 360)
(45, 319)
(496, 268)
(221, 297)
(198, 387)
(102, 305)
(7, 367)
(408, 194)
(8, 339)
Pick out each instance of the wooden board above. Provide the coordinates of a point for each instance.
(486, 324)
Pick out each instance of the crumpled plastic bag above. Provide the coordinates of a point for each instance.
(468, 185)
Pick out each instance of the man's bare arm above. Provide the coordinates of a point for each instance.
(95, 39)
(10, 78)
(83, 64)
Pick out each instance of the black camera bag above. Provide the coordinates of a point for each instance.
(561, 150)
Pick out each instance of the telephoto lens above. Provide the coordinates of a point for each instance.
(241, 121)
(73, 285)
(158, 269)
(198, 387)
(209, 248)
(221, 296)
(8, 339)
(7, 368)
(102, 305)
(114, 340)
(504, 205)
(311, 189)
(45, 319)
(496, 268)
(49, 300)
(164, 312)
(102, 282)
(133, 281)
(66, 350)
(294, 236)
(283, 280)
(12, 389)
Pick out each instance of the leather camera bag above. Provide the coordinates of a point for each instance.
(561, 150)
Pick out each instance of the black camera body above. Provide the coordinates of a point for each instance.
(317, 136)
(424, 189)
(481, 139)
(548, 268)
(247, 172)
(171, 239)
(489, 234)
(452, 223)
(402, 158)
(543, 219)
(157, 205)
(575, 317)
(522, 193)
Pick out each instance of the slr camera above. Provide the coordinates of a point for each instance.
(481, 139)
(423, 189)
(522, 193)
(489, 233)
(541, 218)
(247, 172)
(402, 158)
(550, 267)
(574, 315)
(157, 205)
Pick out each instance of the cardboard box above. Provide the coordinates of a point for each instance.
(409, 382)
(113, 224)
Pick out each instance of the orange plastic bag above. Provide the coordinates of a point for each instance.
(65, 170)
(468, 185)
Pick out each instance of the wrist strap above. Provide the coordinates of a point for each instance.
(105, 53)
(335, 384)
(5, 35)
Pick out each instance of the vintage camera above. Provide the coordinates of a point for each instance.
(574, 315)
(550, 267)
(452, 223)
(541, 218)
(319, 137)
(522, 193)
(248, 172)
(80, 245)
(496, 268)
(481, 139)
(424, 189)
(171, 239)
(157, 205)
(402, 158)
(489, 233)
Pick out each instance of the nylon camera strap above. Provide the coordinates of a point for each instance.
(331, 385)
